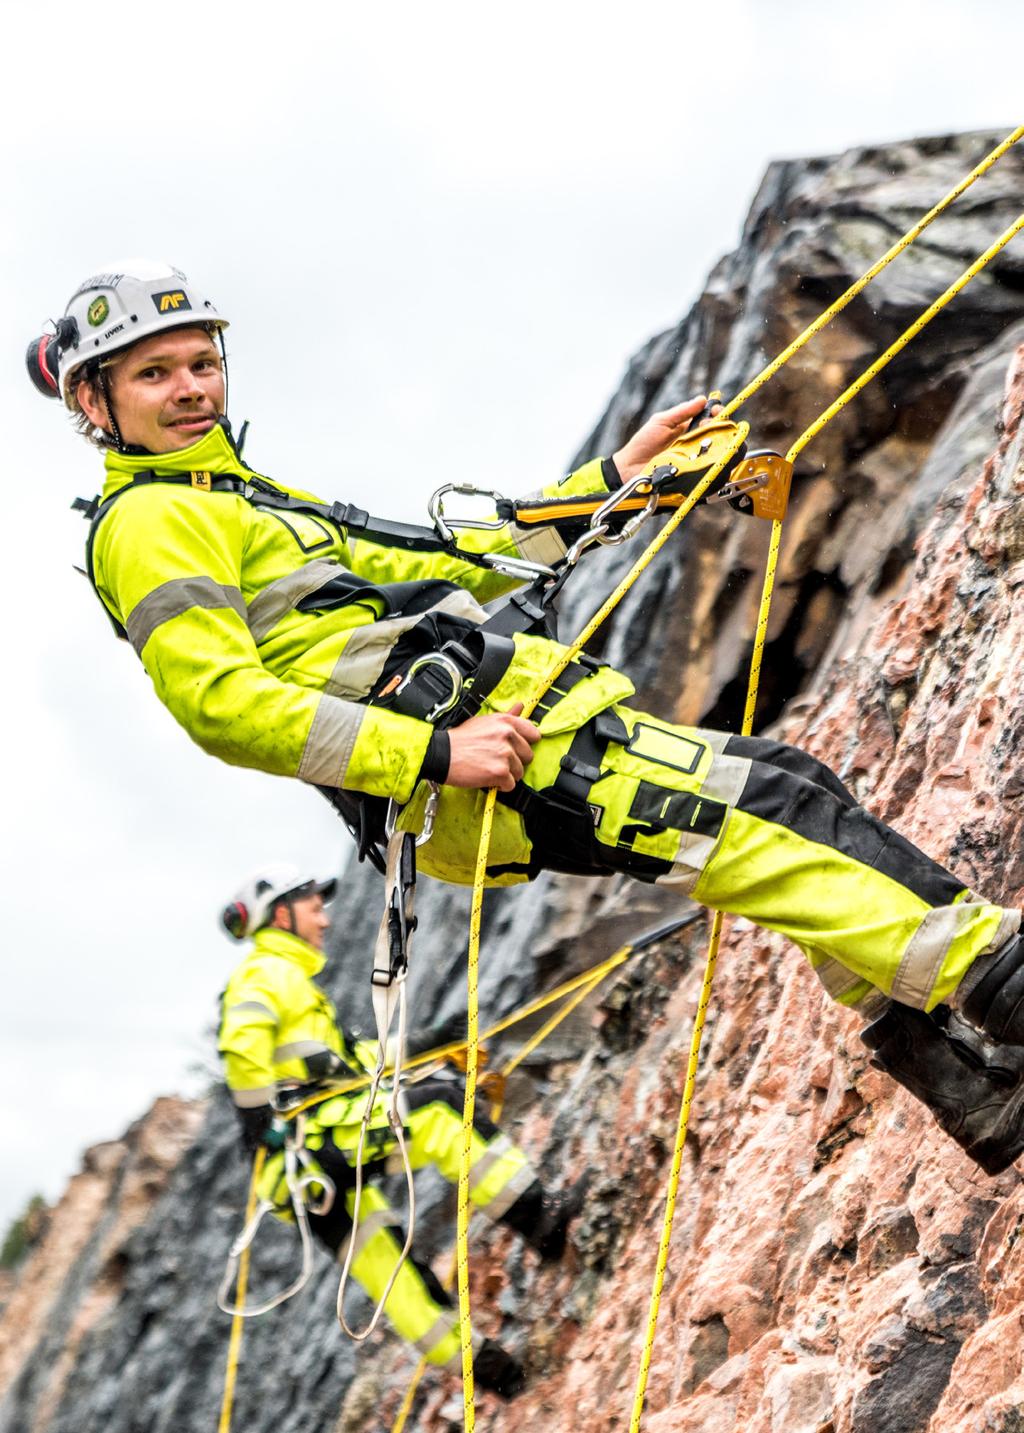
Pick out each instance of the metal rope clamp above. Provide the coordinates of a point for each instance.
(761, 483)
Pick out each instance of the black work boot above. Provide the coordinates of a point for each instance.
(973, 1088)
(996, 1003)
(498, 1371)
(543, 1218)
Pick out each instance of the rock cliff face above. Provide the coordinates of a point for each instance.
(837, 1265)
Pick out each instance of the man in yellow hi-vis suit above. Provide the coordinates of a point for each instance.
(306, 639)
(277, 1029)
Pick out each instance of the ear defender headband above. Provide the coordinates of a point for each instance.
(42, 358)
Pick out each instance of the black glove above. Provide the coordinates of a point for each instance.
(255, 1124)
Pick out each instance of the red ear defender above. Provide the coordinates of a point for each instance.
(41, 360)
(42, 357)
(234, 918)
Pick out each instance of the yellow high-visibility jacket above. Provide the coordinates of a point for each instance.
(277, 1024)
(207, 584)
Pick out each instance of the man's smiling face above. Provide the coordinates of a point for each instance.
(166, 391)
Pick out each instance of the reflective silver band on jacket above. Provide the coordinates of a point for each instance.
(173, 598)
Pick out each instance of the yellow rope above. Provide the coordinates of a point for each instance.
(238, 1322)
(682, 1126)
(536, 1039)
(905, 337)
(410, 1394)
(673, 1180)
(421, 1368)
(468, 1108)
(840, 303)
(551, 676)
(440, 1052)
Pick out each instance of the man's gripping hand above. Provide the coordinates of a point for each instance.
(492, 750)
(657, 433)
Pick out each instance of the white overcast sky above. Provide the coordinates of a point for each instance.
(439, 231)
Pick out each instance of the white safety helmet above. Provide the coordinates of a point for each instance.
(127, 301)
(252, 907)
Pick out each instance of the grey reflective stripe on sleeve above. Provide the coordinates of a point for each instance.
(367, 647)
(255, 1006)
(331, 740)
(497, 1149)
(517, 1183)
(446, 1323)
(250, 1099)
(301, 1049)
(173, 598)
(280, 597)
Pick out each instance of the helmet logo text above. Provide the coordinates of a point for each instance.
(171, 300)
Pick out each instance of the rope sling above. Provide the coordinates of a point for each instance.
(781, 472)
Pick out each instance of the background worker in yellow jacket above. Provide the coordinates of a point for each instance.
(279, 1029)
(302, 638)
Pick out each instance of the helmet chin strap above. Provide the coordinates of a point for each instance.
(101, 383)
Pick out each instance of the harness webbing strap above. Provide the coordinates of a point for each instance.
(260, 493)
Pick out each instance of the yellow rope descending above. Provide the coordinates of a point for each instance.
(551, 676)
(682, 1126)
(238, 1322)
(825, 318)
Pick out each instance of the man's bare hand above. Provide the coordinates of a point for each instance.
(491, 750)
(657, 433)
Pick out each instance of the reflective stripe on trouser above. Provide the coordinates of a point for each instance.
(499, 1171)
(759, 829)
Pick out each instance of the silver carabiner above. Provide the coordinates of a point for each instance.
(445, 526)
(599, 532)
(429, 815)
(435, 659)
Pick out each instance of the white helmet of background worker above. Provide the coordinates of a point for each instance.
(126, 301)
(253, 905)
